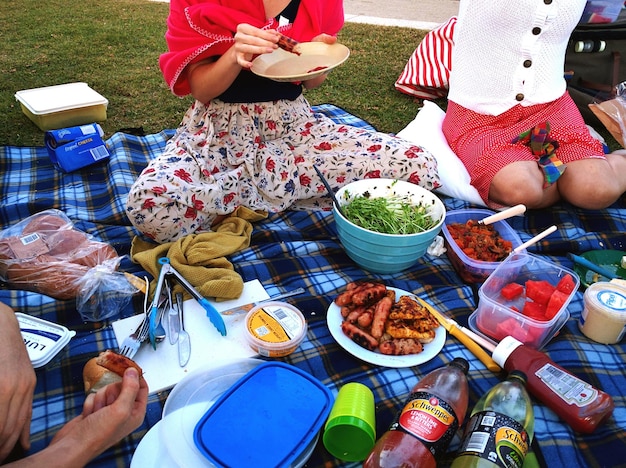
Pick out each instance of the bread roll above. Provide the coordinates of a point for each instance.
(108, 367)
(95, 376)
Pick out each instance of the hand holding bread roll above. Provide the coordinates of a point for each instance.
(108, 367)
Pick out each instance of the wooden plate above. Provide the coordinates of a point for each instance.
(316, 58)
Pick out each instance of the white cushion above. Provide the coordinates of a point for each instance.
(425, 130)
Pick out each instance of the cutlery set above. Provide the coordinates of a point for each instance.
(169, 310)
(167, 307)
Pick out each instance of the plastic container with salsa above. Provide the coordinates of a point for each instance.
(469, 269)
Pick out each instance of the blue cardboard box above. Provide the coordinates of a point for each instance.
(73, 148)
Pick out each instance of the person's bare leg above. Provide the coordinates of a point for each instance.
(594, 183)
(522, 182)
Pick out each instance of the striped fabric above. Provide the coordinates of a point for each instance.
(426, 73)
(301, 249)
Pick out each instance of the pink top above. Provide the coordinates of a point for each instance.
(197, 29)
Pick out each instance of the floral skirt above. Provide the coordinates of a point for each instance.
(261, 156)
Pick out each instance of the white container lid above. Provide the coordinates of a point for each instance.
(59, 98)
(43, 339)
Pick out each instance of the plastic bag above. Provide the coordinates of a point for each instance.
(612, 114)
(45, 253)
(103, 291)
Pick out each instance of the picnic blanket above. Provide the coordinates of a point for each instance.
(300, 249)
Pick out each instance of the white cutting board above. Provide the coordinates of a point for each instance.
(160, 366)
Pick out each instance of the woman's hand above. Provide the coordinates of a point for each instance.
(251, 41)
(211, 77)
(17, 386)
(327, 38)
(315, 82)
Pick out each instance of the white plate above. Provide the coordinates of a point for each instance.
(281, 65)
(334, 320)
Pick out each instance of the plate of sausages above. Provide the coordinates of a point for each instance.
(384, 326)
(300, 61)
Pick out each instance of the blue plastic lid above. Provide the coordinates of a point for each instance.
(267, 419)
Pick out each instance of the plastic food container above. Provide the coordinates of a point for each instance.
(64, 105)
(470, 270)
(267, 419)
(497, 317)
(604, 316)
(43, 339)
(275, 329)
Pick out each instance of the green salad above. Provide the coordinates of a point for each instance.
(391, 214)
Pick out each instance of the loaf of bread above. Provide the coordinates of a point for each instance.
(45, 253)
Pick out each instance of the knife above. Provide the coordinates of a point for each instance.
(184, 341)
(173, 318)
(243, 309)
(452, 327)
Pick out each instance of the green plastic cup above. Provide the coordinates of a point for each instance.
(350, 431)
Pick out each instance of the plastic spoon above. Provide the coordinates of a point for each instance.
(533, 240)
(508, 213)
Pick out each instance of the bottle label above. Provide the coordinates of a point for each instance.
(495, 437)
(568, 387)
(429, 419)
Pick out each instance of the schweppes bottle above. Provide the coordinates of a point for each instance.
(500, 428)
(428, 421)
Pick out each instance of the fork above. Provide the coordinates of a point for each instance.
(131, 343)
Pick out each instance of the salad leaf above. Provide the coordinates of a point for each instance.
(389, 215)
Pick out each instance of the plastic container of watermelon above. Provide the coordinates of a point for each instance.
(532, 314)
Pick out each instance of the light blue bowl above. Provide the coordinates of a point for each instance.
(386, 253)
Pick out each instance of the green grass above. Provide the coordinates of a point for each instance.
(114, 46)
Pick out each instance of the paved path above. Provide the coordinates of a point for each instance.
(421, 14)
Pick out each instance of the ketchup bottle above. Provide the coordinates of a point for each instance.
(428, 421)
(575, 401)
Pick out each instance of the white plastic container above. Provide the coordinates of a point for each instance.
(275, 329)
(497, 317)
(64, 105)
(43, 339)
(604, 316)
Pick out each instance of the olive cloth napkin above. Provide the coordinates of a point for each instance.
(201, 258)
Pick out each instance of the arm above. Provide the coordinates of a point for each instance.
(17, 385)
(108, 416)
(211, 77)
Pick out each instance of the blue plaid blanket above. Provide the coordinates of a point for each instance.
(294, 249)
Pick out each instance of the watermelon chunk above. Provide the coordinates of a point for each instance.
(566, 284)
(555, 303)
(539, 291)
(511, 291)
(534, 310)
(511, 327)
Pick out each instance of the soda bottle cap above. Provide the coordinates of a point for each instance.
(518, 375)
(461, 363)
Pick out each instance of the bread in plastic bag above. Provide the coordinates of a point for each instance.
(103, 292)
(45, 253)
(612, 114)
